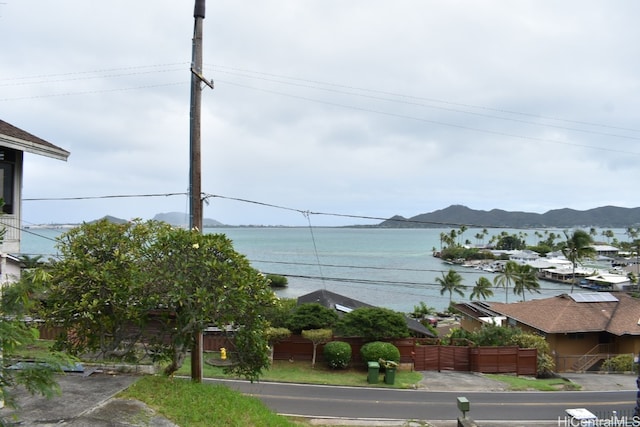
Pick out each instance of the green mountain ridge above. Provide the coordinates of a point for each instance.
(457, 215)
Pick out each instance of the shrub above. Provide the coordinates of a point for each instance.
(619, 363)
(277, 281)
(376, 350)
(337, 354)
(546, 364)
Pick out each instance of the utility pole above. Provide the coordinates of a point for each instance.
(195, 169)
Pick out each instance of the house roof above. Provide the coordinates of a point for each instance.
(18, 139)
(332, 300)
(617, 314)
(344, 304)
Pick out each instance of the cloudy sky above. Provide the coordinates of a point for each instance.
(359, 108)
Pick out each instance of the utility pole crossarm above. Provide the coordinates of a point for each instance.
(202, 78)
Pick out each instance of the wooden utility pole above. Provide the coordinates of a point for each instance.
(195, 169)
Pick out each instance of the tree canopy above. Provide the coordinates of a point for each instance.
(113, 279)
(311, 316)
(372, 323)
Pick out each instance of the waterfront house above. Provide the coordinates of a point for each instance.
(606, 282)
(607, 251)
(14, 142)
(582, 329)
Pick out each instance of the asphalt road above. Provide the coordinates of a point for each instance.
(438, 407)
(89, 401)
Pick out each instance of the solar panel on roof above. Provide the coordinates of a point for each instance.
(343, 308)
(594, 297)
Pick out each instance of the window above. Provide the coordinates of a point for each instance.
(576, 336)
(7, 168)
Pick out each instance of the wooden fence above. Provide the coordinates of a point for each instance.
(422, 357)
(427, 357)
(297, 348)
(477, 359)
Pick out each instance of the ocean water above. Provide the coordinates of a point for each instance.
(392, 268)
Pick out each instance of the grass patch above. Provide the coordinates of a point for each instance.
(302, 372)
(39, 349)
(527, 383)
(197, 404)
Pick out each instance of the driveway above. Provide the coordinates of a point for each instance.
(85, 401)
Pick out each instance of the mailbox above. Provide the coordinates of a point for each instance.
(463, 405)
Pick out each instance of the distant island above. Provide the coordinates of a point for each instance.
(456, 215)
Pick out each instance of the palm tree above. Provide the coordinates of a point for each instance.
(452, 235)
(525, 280)
(608, 234)
(576, 248)
(451, 282)
(482, 289)
(463, 228)
(538, 235)
(505, 278)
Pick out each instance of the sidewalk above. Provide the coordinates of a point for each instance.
(471, 381)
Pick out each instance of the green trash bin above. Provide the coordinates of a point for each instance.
(374, 372)
(389, 375)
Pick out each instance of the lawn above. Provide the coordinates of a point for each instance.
(197, 404)
(527, 383)
(303, 372)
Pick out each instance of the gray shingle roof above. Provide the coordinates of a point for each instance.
(18, 139)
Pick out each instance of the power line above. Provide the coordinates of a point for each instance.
(441, 101)
(305, 82)
(75, 75)
(206, 196)
(436, 122)
(80, 76)
(411, 100)
(91, 92)
(403, 98)
(113, 196)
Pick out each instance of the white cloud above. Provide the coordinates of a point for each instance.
(366, 108)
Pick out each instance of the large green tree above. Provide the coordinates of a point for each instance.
(372, 323)
(278, 315)
(200, 280)
(96, 291)
(577, 246)
(451, 282)
(311, 316)
(114, 277)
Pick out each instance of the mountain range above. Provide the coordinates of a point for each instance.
(457, 215)
(179, 219)
(182, 219)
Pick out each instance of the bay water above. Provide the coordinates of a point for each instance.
(392, 268)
